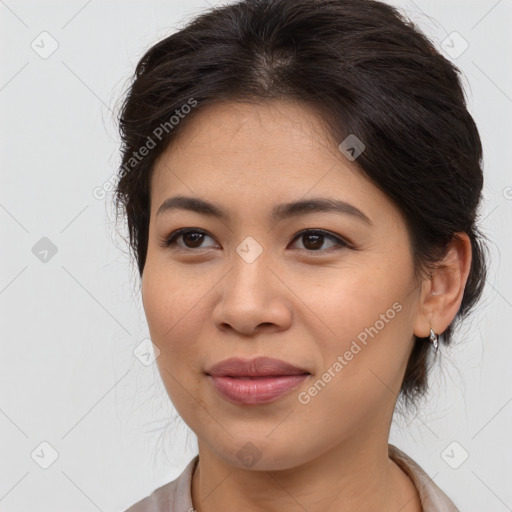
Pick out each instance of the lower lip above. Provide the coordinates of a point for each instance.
(260, 390)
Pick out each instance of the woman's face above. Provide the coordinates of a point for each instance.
(345, 312)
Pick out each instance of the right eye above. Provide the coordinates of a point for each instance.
(192, 238)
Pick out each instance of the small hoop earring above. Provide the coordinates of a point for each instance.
(434, 340)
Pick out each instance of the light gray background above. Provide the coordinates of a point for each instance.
(69, 326)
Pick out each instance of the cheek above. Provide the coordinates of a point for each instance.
(171, 313)
(168, 302)
(352, 302)
(368, 326)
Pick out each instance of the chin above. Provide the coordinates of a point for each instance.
(260, 454)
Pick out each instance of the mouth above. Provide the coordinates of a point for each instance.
(257, 367)
(257, 381)
(256, 390)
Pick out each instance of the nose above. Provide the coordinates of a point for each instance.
(252, 297)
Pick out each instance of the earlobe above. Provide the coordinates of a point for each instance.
(443, 290)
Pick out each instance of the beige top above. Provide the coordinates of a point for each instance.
(176, 496)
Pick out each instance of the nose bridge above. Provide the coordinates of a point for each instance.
(250, 291)
(249, 266)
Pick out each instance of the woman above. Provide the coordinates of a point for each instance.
(301, 181)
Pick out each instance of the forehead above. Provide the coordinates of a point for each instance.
(250, 131)
(222, 117)
(247, 155)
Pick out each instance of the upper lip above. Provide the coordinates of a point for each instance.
(258, 367)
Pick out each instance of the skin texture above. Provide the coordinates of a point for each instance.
(205, 303)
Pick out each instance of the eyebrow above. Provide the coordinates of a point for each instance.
(279, 212)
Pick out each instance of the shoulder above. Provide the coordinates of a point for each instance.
(433, 499)
(173, 496)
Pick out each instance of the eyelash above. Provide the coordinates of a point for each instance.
(170, 241)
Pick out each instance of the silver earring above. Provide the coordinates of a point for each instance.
(433, 339)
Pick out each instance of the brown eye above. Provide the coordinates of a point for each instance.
(192, 238)
(313, 240)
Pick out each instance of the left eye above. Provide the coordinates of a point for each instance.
(192, 238)
(315, 238)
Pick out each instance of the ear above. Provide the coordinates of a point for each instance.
(442, 291)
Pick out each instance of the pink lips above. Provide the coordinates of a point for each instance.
(255, 381)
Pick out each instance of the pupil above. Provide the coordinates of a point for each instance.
(196, 239)
(316, 241)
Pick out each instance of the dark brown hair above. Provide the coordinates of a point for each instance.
(368, 71)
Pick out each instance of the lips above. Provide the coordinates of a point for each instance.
(256, 381)
(258, 367)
